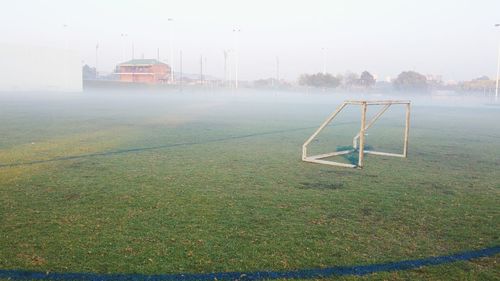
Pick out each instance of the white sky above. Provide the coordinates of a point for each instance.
(453, 38)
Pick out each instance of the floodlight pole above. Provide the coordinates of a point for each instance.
(66, 36)
(180, 69)
(171, 50)
(201, 70)
(123, 35)
(277, 70)
(498, 72)
(96, 59)
(498, 67)
(225, 67)
(236, 32)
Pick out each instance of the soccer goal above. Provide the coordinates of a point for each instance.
(358, 142)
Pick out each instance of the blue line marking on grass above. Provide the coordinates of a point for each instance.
(257, 275)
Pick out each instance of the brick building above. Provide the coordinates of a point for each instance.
(144, 71)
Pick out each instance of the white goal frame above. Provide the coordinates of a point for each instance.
(360, 137)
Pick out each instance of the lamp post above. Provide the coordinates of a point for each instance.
(498, 67)
(201, 70)
(96, 59)
(236, 32)
(225, 66)
(123, 35)
(229, 80)
(180, 69)
(171, 21)
(277, 69)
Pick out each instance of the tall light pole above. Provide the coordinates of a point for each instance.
(236, 33)
(205, 65)
(66, 36)
(498, 67)
(171, 21)
(122, 36)
(277, 69)
(225, 66)
(229, 70)
(96, 59)
(180, 69)
(201, 70)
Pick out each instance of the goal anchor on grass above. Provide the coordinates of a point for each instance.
(360, 137)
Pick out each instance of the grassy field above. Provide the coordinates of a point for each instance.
(144, 183)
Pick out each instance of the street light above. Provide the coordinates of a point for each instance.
(96, 50)
(498, 66)
(236, 32)
(180, 70)
(277, 70)
(225, 66)
(66, 35)
(171, 21)
(123, 35)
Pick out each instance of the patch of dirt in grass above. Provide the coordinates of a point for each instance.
(366, 211)
(72, 196)
(438, 187)
(321, 185)
(32, 259)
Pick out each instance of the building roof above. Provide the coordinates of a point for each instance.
(141, 62)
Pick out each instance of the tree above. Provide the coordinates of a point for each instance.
(482, 78)
(89, 73)
(263, 82)
(319, 80)
(270, 82)
(366, 79)
(410, 80)
(350, 79)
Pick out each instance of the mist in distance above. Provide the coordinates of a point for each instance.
(455, 40)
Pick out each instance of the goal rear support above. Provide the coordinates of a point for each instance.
(358, 142)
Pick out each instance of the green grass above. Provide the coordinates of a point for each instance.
(233, 195)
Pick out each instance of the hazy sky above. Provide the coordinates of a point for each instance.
(449, 37)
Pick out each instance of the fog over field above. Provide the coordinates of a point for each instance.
(191, 140)
(454, 39)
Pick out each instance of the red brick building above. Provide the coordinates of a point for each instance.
(144, 71)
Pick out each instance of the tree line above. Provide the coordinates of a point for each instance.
(327, 80)
(405, 81)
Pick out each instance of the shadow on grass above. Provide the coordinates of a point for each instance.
(143, 149)
(352, 157)
(321, 185)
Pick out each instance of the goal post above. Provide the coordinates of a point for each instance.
(358, 142)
